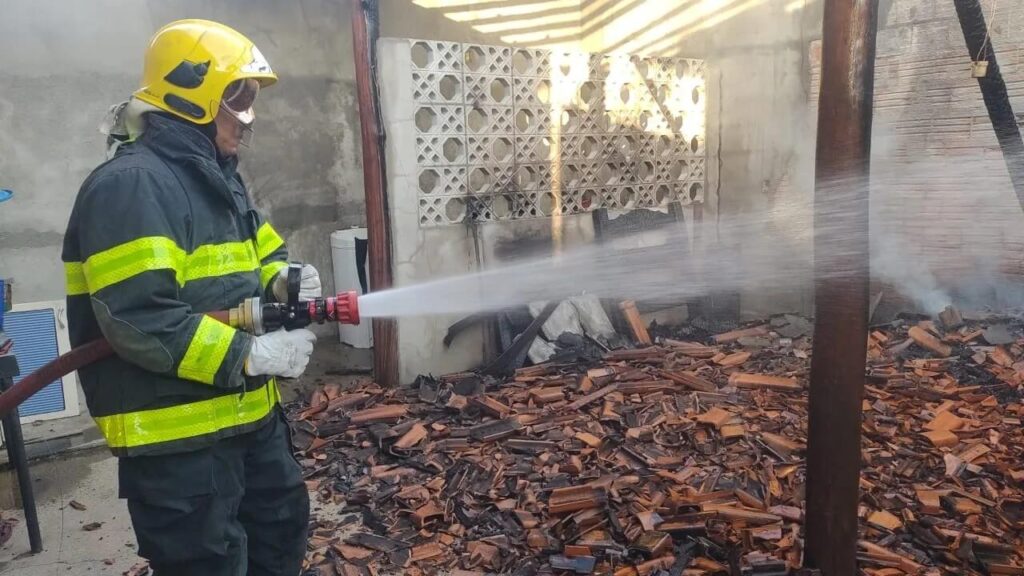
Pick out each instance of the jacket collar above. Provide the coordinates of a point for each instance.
(174, 139)
(179, 142)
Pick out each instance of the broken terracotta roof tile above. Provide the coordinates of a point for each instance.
(668, 457)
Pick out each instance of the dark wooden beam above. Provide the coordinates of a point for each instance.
(993, 90)
(842, 276)
(378, 227)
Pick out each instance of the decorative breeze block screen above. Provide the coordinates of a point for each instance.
(505, 133)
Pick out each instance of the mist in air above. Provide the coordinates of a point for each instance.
(942, 230)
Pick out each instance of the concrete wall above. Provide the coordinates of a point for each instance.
(760, 137)
(943, 203)
(64, 63)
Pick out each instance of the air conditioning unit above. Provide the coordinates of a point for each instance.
(40, 334)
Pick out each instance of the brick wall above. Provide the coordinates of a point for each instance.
(942, 203)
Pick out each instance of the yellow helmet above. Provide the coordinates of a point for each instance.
(189, 64)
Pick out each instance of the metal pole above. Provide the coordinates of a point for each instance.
(842, 270)
(993, 90)
(385, 341)
(19, 461)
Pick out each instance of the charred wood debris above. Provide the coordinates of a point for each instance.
(680, 457)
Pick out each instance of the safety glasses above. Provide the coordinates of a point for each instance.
(238, 99)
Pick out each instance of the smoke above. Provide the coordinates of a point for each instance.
(910, 277)
(946, 226)
(895, 263)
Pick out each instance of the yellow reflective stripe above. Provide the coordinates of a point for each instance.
(220, 260)
(74, 279)
(130, 259)
(206, 351)
(188, 420)
(268, 272)
(267, 240)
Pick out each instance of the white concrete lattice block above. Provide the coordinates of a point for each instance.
(531, 149)
(440, 119)
(583, 173)
(531, 62)
(488, 90)
(437, 87)
(442, 181)
(533, 177)
(532, 120)
(507, 133)
(483, 119)
(482, 59)
(441, 150)
(435, 55)
(489, 178)
(491, 150)
(531, 91)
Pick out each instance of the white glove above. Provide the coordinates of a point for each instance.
(280, 353)
(309, 285)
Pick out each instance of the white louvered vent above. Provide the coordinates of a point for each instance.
(39, 331)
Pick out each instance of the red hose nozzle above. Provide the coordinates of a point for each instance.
(346, 307)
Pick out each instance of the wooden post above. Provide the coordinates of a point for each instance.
(842, 276)
(385, 340)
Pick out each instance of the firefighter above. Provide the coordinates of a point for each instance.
(161, 233)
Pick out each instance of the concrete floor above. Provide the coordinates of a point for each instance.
(91, 479)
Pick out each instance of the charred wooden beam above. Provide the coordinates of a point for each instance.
(378, 228)
(841, 249)
(993, 91)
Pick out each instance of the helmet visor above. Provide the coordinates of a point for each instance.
(239, 97)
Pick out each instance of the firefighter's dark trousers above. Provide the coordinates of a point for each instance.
(238, 508)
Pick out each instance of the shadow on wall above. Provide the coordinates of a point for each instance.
(757, 82)
(519, 22)
(633, 26)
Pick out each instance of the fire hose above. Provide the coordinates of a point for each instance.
(252, 315)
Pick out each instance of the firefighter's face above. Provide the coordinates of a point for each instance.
(229, 134)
